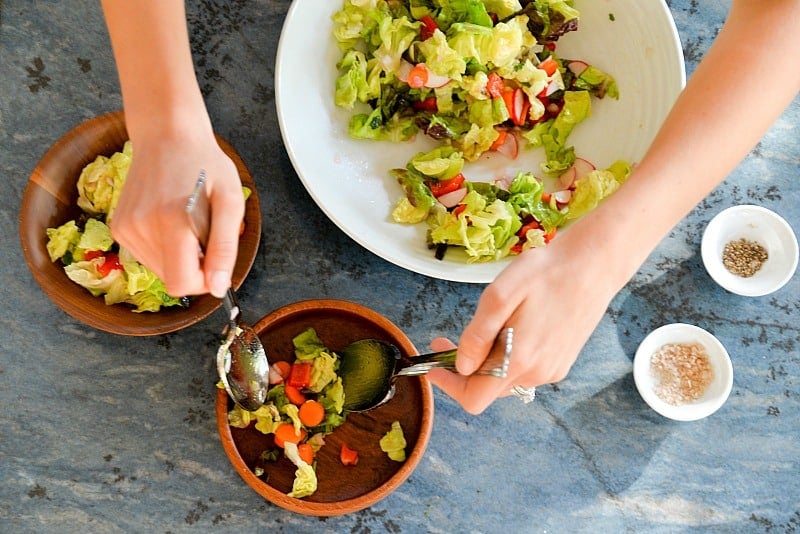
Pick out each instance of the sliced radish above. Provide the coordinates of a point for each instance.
(275, 376)
(448, 200)
(404, 70)
(510, 147)
(577, 67)
(503, 182)
(552, 87)
(562, 197)
(519, 105)
(568, 177)
(436, 80)
(583, 167)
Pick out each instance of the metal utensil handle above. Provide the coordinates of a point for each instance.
(199, 212)
(495, 365)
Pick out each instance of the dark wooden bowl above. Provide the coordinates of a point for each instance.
(50, 199)
(341, 489)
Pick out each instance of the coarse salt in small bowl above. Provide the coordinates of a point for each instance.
(756, 225)
(714, 394)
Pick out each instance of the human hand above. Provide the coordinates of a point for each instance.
(151, 222)
(554, 298)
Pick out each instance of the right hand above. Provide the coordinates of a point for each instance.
(150, 218)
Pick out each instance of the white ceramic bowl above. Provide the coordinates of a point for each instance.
(717, 392)
(758, 224)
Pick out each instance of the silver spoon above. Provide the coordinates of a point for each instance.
(369, 368)
(241, 360)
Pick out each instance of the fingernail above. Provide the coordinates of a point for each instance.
(219, 284)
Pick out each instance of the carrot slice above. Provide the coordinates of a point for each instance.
(286, 433)
(311, 413)
(306, 453)
(418, 76)
(294, 395)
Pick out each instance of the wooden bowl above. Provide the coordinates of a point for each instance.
(50, 199)
(341, 489)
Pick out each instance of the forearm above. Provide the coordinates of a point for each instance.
(151, 47)
(745, 82)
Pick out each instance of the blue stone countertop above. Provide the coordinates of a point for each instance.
(138, 451)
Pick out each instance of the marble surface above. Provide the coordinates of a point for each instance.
(102, 433)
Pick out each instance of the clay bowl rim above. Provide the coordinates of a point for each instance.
(105, 134)
(327, 509)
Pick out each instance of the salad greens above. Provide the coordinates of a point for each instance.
(478, 76)
(284, 409)
(89, 254)
(393, 443)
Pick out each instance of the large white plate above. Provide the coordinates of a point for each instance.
(634, 40)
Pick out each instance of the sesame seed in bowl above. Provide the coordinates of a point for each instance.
(683, 372)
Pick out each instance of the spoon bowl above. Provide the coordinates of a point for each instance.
(369, 368)
(242, 362)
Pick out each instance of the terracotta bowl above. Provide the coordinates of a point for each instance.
(341, 489)
(50, 199)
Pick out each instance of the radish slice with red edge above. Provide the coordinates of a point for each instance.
(404, 70)
(510, 147)
(583, 167)
(452, 199)
(436, 80)
(577, 67)
(562, 197)
(275, 376)
(567, 178)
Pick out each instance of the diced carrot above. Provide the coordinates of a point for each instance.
(549, 65)
(311, 413)
(418, 76)
(348, 456)
(286, 433)
(306, 453)
(494, 85)
(501, 138)
(294, 395)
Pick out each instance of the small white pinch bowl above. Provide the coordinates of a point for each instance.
(717, 392)
(760, 225)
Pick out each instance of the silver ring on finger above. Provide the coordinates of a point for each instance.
(526, 395)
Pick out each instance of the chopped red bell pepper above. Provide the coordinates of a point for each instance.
(348, 456)
(300, 375)
(429, 104)
(428, 27)
(110, 263)
(89, 255)
(443, 187)
(533, 225)
(458, 209)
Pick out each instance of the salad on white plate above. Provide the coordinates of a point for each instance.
(351, 180)
(484, 80)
